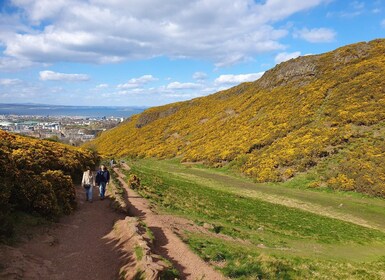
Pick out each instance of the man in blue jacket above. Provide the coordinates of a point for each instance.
(102, 180)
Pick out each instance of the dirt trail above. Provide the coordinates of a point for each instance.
(84, 245)
(76, 248)
(167, 243)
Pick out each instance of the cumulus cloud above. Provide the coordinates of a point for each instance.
(237, 79)
(9, 64)
(284, 56)
(55, 76)
(17, 90)
(224, 31)
(137, 82)
(182, 86)
(102, 86)
(9, 82)
(316, 35)
(199, 76)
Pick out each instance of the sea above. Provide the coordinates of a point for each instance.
(72, 111)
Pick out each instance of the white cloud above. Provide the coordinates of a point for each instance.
(16, 90)
(316, 35)
(383, 23)
(237, 79)
(284, 56)
(174, 91)
(354, 9)
(55, 76)
(182, 86)
(224, 31)
(280, 9)
(357, 5)
(9, 64)
(137, 82)
(200, 76)
(102, 86)
(9, 82)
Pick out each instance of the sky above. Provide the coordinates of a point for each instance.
(153, 52)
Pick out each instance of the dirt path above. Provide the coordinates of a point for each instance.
(83, 245)
(76, 248)
(167, 243)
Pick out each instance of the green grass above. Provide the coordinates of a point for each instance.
(245, 262)
(369, 209)
(119, 190)
(138, 253)
(170, 273)
(149, 233)
(271, 240)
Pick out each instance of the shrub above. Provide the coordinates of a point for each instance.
(63, 188)
(37, 177)
(341, 182)
(134, 182)
(297, 116)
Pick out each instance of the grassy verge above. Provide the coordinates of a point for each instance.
(117, 193)
(270, 240)
(246, 262)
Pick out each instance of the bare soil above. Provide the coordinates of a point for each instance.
(87, 245)
(75, 248)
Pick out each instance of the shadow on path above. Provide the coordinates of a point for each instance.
(160, 243)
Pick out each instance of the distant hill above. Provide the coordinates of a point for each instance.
(37, 177)
(323, 114)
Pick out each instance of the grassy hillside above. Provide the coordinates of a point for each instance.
(37, 177)
(322, 114)
(251, 231)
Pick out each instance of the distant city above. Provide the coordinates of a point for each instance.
(68, 124)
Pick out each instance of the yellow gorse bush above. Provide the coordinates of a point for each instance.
(37, 176)
(326, 108)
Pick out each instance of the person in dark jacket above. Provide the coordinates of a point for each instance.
(102, 180)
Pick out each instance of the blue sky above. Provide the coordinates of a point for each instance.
(152, 52)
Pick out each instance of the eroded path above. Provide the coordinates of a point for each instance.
(83, 245)
(76, 248)
(167, 243)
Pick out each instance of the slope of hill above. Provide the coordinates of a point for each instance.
(37, 177)
(321, 113)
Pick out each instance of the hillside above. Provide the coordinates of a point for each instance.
(37, 177)
(322, 114)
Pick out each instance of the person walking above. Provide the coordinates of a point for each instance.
(102, 180)
(88, 182)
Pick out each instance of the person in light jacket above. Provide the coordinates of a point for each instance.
(102, 180)
(88, 182)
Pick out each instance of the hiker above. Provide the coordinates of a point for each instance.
(88, 182)
(102, 179)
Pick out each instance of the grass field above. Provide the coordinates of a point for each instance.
(270, 231)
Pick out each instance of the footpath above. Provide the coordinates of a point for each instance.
(98, 242)
(78, 247)
(167, 243)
